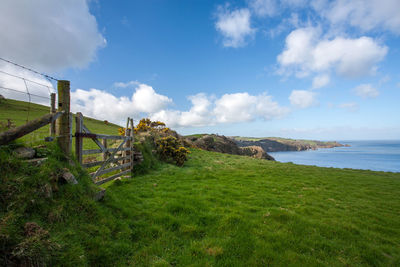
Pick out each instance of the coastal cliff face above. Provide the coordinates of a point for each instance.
(282, 144)
(223, 144)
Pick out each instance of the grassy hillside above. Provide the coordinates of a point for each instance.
(217, 210)
(19, 112)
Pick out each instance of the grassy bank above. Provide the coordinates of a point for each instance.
(19, 112)
(217, 210)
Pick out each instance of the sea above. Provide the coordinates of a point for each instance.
(366, 155)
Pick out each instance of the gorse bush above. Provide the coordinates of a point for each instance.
(146, 124)
(170, 149)
(166, 142)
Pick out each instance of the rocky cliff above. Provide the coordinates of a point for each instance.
(274, 144)
(223, 144)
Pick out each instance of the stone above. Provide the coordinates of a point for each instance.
(37, 162)
(68, 177)
(100, 194)
(24, 153)
(47, 191)
(118, 181)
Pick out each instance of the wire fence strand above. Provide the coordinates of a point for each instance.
(14, 85)
(29, 69)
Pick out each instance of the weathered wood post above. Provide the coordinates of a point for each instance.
(63, 125)
(78, 139)
(52, 130)
(128, 145)
(133, 140)
(104, 155)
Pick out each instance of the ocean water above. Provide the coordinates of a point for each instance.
(367, 155)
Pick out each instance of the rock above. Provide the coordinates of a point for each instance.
(223, 144)
(100, 194)
(255, 152)
(272, 144)
(2, 98)
(24, 152)
(36, 162)
(47, 191)
(68, 177)
(118, 181)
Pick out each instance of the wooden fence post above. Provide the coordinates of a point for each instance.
(52, 131)
(104, 142)
(133, 140)
(63, 125)
(78, 139)
(128, 144)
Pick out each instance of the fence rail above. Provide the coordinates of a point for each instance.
(114, 159)
(14, 133)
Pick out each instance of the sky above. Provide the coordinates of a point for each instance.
(318, 69)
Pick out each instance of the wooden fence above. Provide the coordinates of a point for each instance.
(119, 158)
(59, 120)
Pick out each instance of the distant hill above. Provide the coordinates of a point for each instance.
(275, 144)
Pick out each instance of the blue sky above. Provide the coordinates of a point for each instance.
(291, 68)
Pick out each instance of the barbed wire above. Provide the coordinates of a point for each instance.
(23, 78)
(18, 91)
(29, 69)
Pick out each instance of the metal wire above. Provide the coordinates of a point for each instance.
(14, 90)
(29, 69)
(16, 76)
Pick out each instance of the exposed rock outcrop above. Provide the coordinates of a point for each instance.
(255, 152)
(223, 144)
(281, 144)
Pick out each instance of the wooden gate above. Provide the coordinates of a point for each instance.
(119, 158)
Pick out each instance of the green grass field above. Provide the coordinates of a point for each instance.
(217, 210)
(225, 210)
(220, 210)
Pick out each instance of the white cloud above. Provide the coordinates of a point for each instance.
(302, 98)
(320, 81)
(234, 26)
(49, 35)
(307, 51)
(229, 108)
(105, 106)
(242, 107)
(147, 100)
(350, 107)
(126, 84)
(204, 111)
(235, 107)
(264, 7)
(366, 91)
(364, 14)
(272, 8)
(200, 114)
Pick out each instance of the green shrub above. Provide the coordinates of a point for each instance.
(169, 149)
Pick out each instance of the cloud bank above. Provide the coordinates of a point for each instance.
(49, 35)
(306, 52)
(204, 111)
